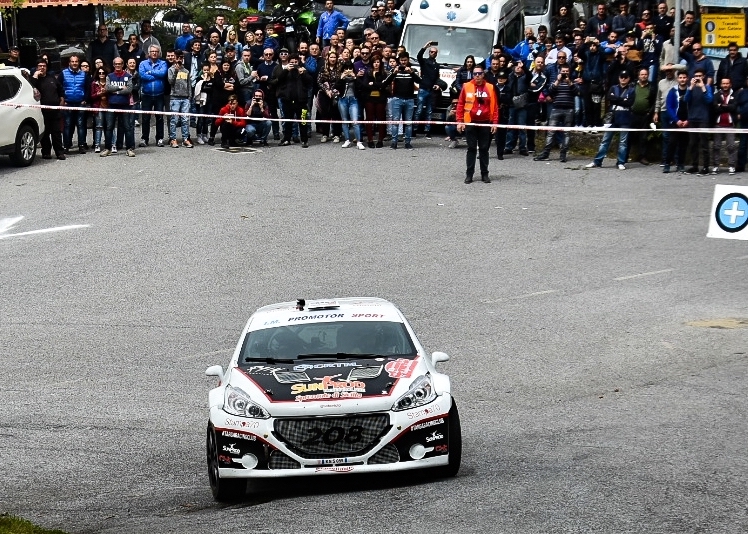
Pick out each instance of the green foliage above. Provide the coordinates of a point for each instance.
(10, 524)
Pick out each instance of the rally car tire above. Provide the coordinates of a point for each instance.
(25, 148)
(223, 489)
(455, 445)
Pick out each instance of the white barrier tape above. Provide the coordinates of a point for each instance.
(585, 129)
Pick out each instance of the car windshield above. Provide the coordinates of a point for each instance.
(536, 7)
(455, 44)
(328, 339)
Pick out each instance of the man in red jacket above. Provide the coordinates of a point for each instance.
(231, 121)
(477, 115)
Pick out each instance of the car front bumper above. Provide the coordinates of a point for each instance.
(332, 444)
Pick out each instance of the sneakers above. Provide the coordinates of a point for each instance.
(540, 157)
(714, 170)
(468, 179)
(371, 144)
(114, 149)
(408, 146)
(453, 144)
(143, 143)
(592, 165)
(346, 144)
(621, 167)
(81, 150)
(665, 169)
(323, 139)
(703, 172)
(200, 140)
(173, 144)
(393, 146)
(336, 139)
(104, 153)
(562, 158)
(691, 170)
(485, 179)
(160, 143)
(285, 142)
(680, 168)
(187, 144)
(304, 145)
(211, 141)
(296, 140)
(361, 146)
(428, 135)
(731, 171)
(97, 149)
(524, 153)
(379, 144)
(130, 153)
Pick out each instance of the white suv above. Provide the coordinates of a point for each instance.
(22, 126)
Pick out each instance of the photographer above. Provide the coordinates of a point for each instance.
(294, 83)
(563, 91)
(404, 81)
(258, 119)
(699, 98)
(179, 81)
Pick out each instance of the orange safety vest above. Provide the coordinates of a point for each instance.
(469, 90)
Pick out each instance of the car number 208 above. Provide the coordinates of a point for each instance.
(333, 435)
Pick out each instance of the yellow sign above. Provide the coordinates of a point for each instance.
(721, 29)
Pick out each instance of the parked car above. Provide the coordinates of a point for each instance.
(21, 126)
(325, 387)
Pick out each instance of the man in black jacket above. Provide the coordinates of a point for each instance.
(51, 94)
(430, 77)
(294, 83)
(734, 67)
(103, 47)
(404, 81)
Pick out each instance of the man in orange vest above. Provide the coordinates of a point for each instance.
(477, 115)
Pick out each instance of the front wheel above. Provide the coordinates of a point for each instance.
(455, 445)
(223, 489)
(25, 149)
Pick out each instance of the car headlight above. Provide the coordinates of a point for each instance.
(421, 392)
(356, 22)
(237, 402)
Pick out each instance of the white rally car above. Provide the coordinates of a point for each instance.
(325, 387)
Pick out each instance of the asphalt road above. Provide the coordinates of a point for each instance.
(592, 399)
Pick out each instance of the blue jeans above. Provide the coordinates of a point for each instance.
(605, 144)
(348, 107)
(179, 105)
(102, 121)
(517, 117)
(151, 103)
(74, 119)
(258, 130)
(425, 100)
(402, 109)
(125, 126)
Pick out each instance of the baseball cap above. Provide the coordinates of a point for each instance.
(624, 74)
(502, 74)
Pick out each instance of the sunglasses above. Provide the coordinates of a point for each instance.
(478, 73)
(696, 49)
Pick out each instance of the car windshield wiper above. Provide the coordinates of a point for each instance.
(270, 360)
(338, 356)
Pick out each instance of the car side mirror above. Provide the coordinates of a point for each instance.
(437, 357)
(215, 370)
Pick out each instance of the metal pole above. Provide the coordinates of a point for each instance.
(676, 24)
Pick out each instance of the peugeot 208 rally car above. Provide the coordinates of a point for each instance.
(325, 387)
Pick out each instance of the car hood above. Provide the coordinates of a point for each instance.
(319, 386)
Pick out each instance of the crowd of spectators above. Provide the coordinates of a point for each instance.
(615, 69)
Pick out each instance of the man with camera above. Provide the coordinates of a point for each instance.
(429, 88)
(179, 103)
(231, 121)
(699, 98)
(294, 84)
(258, 119)
(563, 91)
(404, 81)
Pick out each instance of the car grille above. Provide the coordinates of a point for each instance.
(278, 460)
(388, 455)
(323, 437)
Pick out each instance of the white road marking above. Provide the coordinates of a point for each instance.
(9, 222)
(642, 274)
(518, 297)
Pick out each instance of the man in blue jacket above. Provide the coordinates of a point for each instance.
(699, 97)
(329, 21)
(152, 83)
(76, 85)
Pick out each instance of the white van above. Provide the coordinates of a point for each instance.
(540, 12)
(459, 29)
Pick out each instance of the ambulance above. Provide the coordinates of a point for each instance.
(459, 29)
